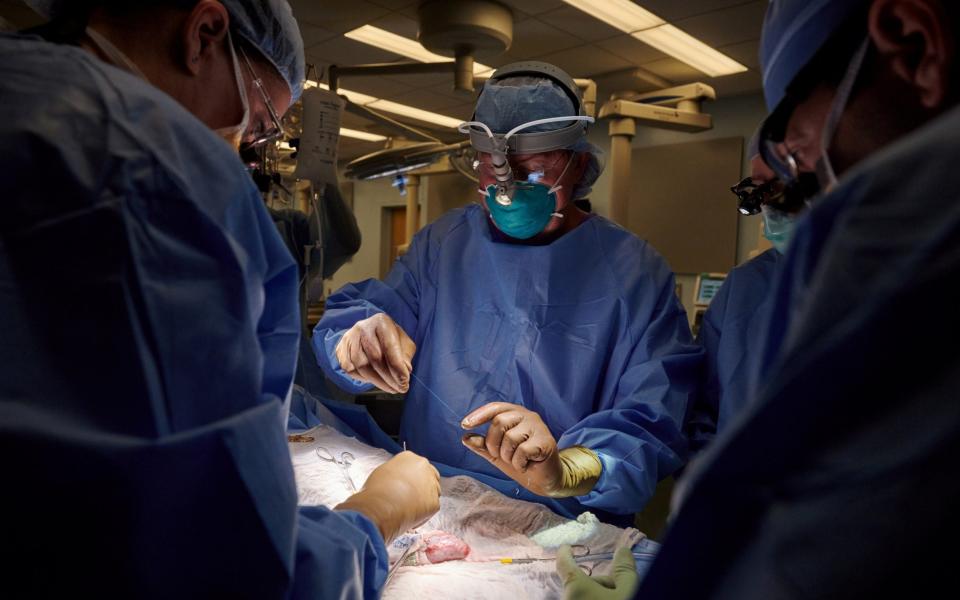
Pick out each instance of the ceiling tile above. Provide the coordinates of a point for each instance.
(586, 61)
(534, 7)
(618, 81)
(518, 15)
(337, 15)
(674, 70)
(424, 80)
(749, 82)
(746, 53)
(672, 10)
(399, 24)
(457, 97)
(428, 100)
(631, 49)
(727, 26)
(395, 4)
(532, 38)
(343, 51)
(313, 35)
(577, 23)
(375, 86)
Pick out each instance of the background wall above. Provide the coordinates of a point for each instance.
(437, 195)
(732, 117)
(736, 116)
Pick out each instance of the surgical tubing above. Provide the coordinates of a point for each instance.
(581, 468)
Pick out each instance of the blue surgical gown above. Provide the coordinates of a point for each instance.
(731, 333)
(148, 338)
(585, 331)
(840, 479)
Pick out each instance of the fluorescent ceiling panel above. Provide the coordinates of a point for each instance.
(397, 44)
(391, 107)
(361, 135)
(654, 31)
(622, 14)
(686, 48)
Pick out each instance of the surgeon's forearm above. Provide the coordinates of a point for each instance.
(380, 512)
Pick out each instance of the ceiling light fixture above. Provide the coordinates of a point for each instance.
(654, 31)
(362, 135)
(391, 107)
(397, 44)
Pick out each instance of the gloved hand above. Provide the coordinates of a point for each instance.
(520, 444)
(400, 494)
(376, 350)
(577, 585)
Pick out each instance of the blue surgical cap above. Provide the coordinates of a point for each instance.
(269, 25)
(266, 24)
(506, 103)
(793, 32)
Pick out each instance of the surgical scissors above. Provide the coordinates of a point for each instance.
(343, 461)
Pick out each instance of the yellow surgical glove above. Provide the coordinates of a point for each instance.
(581, 468)
(621, 584)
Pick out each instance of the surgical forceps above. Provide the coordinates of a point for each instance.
(343, 461)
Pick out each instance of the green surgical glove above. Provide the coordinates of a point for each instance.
(621, 584)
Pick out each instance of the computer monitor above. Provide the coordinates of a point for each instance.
(708, 284)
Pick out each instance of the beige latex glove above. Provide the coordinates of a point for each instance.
(400, 494)
(376, 350)
(520, 444)
(577, 585)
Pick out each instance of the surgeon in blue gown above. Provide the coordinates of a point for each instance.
(149, 319)
(735, 323)
(840, 480)
(547, 355)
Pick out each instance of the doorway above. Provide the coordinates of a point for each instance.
(393, 236)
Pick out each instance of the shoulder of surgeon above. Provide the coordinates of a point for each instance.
(763, 266)
(464, 220)
(60, 100)
(630, 257)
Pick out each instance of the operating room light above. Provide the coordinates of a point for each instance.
(361, 135)
(686, 48)
(654, 31)
(622, 14)
(391, 107)
(397, 44)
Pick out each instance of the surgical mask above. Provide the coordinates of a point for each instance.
(824, 169)
(530, 210)
(233, 135)
(778, 227)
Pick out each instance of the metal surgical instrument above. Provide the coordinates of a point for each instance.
(343, 461)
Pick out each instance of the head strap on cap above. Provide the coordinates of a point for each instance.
(517, 142)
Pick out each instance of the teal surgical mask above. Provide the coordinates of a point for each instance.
(533, 205)
(778, 227)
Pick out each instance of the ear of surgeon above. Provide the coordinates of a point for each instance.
(203, 65)
(906, 56)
